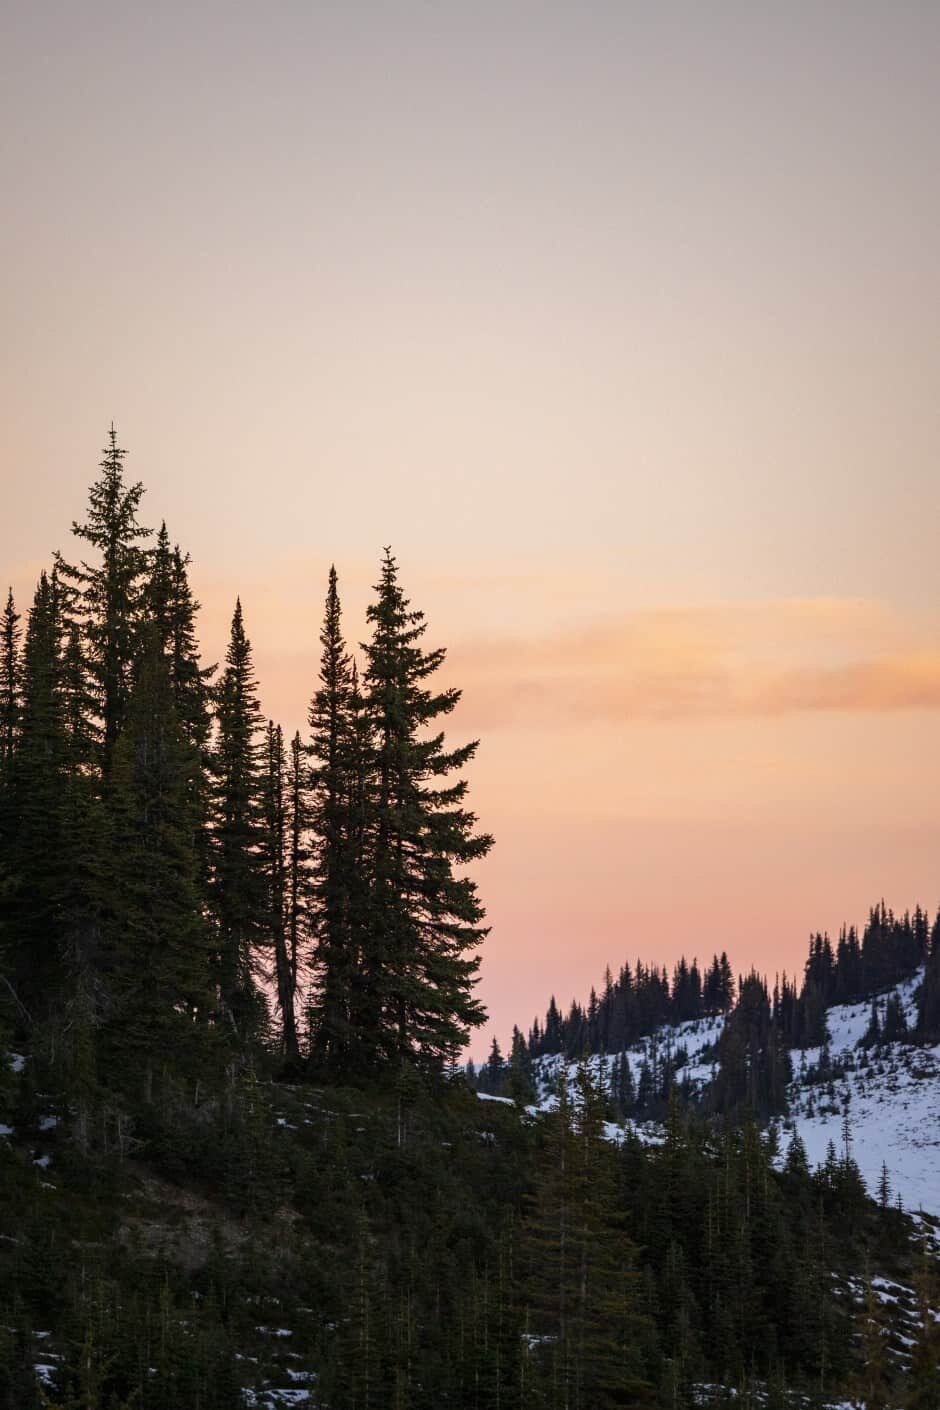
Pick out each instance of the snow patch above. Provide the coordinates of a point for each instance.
(891, 1094)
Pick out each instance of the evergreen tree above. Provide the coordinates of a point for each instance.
(884, 1187)
(108, 594)
(425, 920)
(10, 706)
(495, 1068)
(624, 1090)
(552, 1038)
(169, 605)
(895, 1025)
(357, 768)
(9, 688)
(797, 1164)
(38, 852)
(275, 823)
(157, 590)
(156, 968)
(928, 1006)
(520, 1070)
(718, 994)
(78, 702)
(51, 890)
(754, 1066)
(238, 868)
(298, 859)
(872, 1036)
(331, 739)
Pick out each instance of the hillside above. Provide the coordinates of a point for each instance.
(323, 1245)
(891, 1092)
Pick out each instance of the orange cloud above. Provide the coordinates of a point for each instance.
(755, 659)
(909, 681)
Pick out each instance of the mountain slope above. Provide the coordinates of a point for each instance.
(890, 1092)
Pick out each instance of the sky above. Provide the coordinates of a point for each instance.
(617, 321)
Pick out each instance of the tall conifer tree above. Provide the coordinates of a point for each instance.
(157, 969)
(336, 958)
(169, 604)
(10, 703)
(78, 702)
(38, 860)
(425, 921)
(298, 858)
(107, 595)
(9, 686)
(158, 586)
(238, 873)
(276, 822)
(170, 607)
(357, 763)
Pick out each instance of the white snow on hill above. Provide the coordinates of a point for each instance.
(695, 1037)
(891, 1094)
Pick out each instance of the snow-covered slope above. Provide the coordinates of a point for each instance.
(695, 1037)
(891, 1094)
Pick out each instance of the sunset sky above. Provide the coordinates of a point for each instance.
(619, 322)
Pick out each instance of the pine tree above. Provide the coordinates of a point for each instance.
(275, 822)
(156, 970)
(796, 1165)
(9, 687)
(625, 1091)
(78, 702)
(238, 873)
(169, 605)
(895, 1024)
(884, 1187)
(108, 595)
(552, 1037)
(872, 1035)
(38, 856)
(87, 848)
(495, 1068)
(520, 1086)
(10, 707)
(298, 859)
(425, 921)
(51, 902)
(336, 958)
(158, 588)
(357, 768)
(928, 1010)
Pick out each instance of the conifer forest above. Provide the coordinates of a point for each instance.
(244, 1160)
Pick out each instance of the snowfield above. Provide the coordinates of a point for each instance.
(891, 1094)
